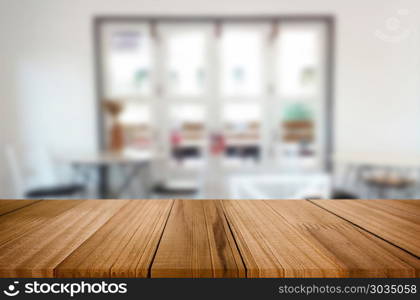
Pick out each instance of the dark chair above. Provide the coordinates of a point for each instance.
(342, 194)
(61, 191)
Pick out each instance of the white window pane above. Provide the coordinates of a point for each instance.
(129, 62)
(187, 113)
(298, 61)
(241, 62)
(135, 114)
(237, 113)
(186, 63)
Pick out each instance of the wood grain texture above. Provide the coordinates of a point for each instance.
(397, 222)
(124, 246)
(271, 247)
(293, 239)
(197, 242)
(39, 251)
(7, 206)
(210, 238)
(27, 219)
(355, 252)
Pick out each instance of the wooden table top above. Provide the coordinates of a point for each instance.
(210, 238)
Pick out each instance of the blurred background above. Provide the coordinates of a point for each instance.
(210, 99)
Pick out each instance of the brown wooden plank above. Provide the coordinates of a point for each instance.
(355, 252)
(197, 242)
(124, 246)
(19, 222)
(397, 225)
(271, 247)
(408, 208)
(7, 206)
(118, 238)
(39, 251)
(283, 238)
(411, 202)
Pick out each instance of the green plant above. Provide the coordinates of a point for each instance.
(297, 111)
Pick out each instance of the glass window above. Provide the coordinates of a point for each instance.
(241, 62)
(134, 113)
(242, 112)
(188, 113)
(298, 60)
(186, 63)
(129, 61)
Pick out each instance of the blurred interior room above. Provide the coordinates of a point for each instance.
(210, 99)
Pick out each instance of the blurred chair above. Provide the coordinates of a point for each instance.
(343, 194)
(281, 186)
(175, 188)
(51, 190)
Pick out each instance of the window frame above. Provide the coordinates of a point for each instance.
(328, 87)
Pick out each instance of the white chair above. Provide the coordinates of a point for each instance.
(49, 188)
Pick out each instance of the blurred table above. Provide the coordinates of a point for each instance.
(130, 166)
(356, 164)
(378, 159)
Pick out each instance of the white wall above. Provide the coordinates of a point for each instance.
(47, 80)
